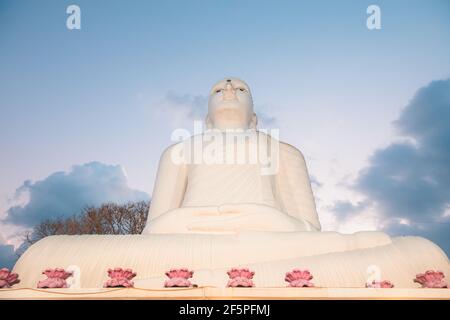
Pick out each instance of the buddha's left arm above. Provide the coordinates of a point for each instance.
(293, 186)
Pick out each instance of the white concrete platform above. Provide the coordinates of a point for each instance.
(211, 293)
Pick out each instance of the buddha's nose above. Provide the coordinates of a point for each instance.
(229, 93)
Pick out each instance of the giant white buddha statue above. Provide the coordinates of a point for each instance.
(214, 208)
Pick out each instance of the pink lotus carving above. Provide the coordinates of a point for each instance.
(299, 278)
(52, 283)
(178, 278)
(380, 284)
(120, 278)
(7, 278)
(177, 282)
(56, 278)
(431, 279)
(240, 278)
(180, 273)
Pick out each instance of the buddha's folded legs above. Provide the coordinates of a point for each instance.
(151, 255)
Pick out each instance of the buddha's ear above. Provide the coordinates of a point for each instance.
(208, 122)
(254, 121)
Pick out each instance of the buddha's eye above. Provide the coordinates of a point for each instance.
(242, 89)
(218, 90)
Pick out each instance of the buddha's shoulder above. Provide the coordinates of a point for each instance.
(179, 149)
(170, 150)
(286, 148)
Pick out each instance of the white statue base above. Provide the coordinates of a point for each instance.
(210, 293)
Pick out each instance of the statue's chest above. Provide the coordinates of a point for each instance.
(227, 183)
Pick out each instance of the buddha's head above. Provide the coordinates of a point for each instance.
(230, 106)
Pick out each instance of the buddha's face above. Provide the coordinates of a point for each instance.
(230, 105)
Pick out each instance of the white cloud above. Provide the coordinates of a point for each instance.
(407, 183)
(63, 194)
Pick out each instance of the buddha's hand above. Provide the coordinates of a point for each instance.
(177, 221)
(201, 211)
(225, 218)
(249, 208)
(247, 217)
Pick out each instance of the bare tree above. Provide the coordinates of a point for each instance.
(109, 218)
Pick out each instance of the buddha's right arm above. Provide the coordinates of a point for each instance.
(170, 184)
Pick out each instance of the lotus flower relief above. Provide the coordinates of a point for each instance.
(299, 278)
(56, 278)
(380, 284)
(240, 278)
(431, 279)
(120, 277)
(7, 278)
(178, 278)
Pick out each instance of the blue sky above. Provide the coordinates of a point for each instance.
(106, 98)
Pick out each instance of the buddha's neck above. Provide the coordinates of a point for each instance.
(231, 125)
